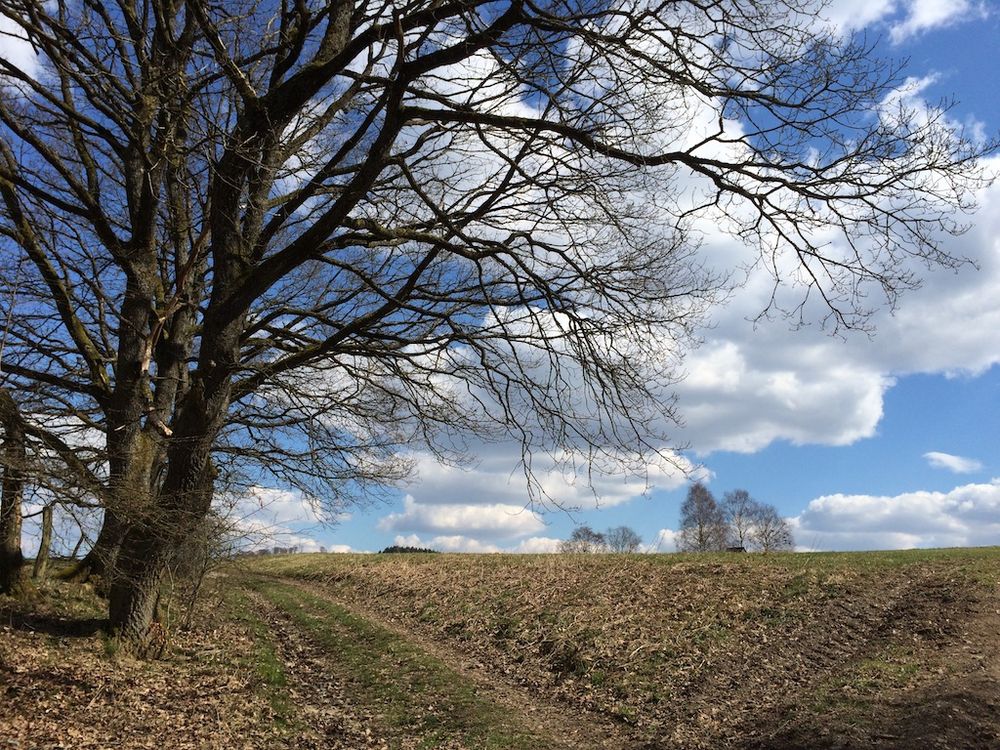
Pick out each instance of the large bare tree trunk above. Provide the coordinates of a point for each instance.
(14, 456)
(183, 500)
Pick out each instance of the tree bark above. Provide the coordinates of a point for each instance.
(14, 457)
(42, 558)
(142, 561)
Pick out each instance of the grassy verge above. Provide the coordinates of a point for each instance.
(414, 693)
(264, 660)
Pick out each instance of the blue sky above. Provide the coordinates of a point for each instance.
(887, 441)
(862, 442)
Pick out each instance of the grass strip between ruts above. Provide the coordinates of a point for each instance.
(414, 693)
(264, 660)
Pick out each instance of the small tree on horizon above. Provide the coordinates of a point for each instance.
(584, 540)
(623, 539)
(771, 532)
(703, 527)
(740, 511)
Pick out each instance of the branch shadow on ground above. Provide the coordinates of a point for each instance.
(51, 624)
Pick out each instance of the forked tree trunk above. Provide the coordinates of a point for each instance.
(142, 562)
(11, 495)
(42, 558)
(180, 506)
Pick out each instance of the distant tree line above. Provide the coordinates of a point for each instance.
(618, 539)
(739, 522)
(396, 548)
(276, 551)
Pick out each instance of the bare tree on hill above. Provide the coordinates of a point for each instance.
(754, 525)
(703, 526)
(584, 540)
(771, 532)
(297, 236)
(739, 510)
(623, 539)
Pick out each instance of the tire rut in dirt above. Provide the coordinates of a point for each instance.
(565, 727)
(325, 716)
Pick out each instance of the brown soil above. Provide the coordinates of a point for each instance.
(597, 653)
(61, 688)
(567, 726)
(712, 654)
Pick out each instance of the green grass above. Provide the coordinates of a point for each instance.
(415, 693)
(855, 691)
(264, 660)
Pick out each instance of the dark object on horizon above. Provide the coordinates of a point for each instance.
(396, 548)
(736, 549)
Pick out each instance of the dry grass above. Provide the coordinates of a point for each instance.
(64, 685)
(734, 651)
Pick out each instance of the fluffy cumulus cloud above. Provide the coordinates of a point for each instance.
(265, 517)
(741, 394)
(564, 481)
(924, 15)
(751, 384)
(956, 464)
(462, 543)
(966, 516)
(903, 18)
(15, 48)
(496, 520)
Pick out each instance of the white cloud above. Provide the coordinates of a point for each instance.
(15, 48)
(903, 18)
(496, 520)
(752, 384)
(924, 15)
(537, 544)
(566, 480)
(966, 516)
(853, 15)
(339, 548)
(266, 517)
(446, 543)
(957, 464)
(462, 543)
(746, 389)
(665, 541)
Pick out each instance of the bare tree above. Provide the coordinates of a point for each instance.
(739, 510)
(41, 566)
(771, 532)
(623, 539)
(702, 527)
(306, 234)
(584, 540)
(14, 455)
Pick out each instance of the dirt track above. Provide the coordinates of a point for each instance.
(466, 653)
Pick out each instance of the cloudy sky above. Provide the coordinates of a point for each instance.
(882, 441)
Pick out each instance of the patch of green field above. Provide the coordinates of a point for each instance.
(413, 692)
(264, 661)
